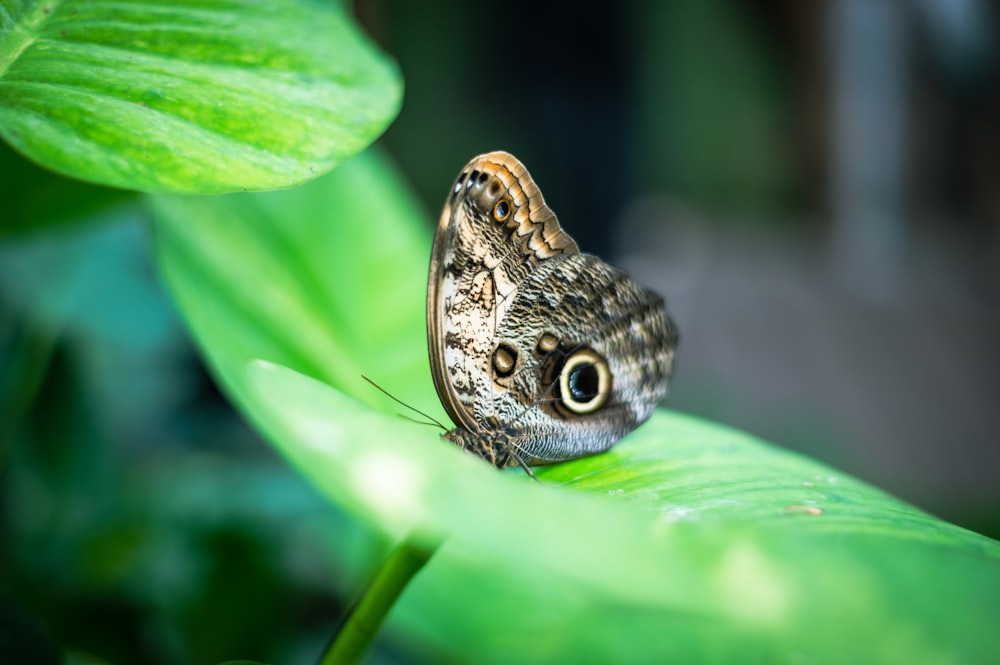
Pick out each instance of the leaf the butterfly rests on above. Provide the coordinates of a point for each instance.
(539, 353)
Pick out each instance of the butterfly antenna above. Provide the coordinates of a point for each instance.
(430, 419)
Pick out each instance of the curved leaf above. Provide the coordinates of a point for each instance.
(288, 277)
(707, 566)
(190, 95)
(686, 542)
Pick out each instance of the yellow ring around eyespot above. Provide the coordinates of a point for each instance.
(585, 357)
(496, 210)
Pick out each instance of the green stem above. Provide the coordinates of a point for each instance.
(364, 619)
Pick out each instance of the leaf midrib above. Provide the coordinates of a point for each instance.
(16, 38)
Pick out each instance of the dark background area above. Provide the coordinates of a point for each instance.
(815, 188)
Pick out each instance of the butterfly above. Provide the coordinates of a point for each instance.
(539, 353)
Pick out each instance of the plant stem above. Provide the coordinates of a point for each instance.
(367, 614)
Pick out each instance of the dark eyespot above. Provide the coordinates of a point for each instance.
(482, 178)
(584, 382)
(501, 211)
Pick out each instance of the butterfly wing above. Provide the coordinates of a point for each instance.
(536, 349)
(594, 354)
(495, 227)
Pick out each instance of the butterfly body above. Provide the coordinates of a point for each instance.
(538, 352)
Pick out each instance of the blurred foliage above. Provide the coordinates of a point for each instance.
(35, 197)
(715, 110)
(137, 509)
(689, 97)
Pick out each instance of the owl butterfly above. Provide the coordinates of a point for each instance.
(539, 353)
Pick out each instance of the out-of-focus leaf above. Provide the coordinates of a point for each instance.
(190, 95)
(90, 284)
(327, 278)
(22, 640)
(35, 197)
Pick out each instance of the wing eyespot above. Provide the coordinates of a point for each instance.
(584, 382)
(547, 343)
(504, 360)
(502, 210)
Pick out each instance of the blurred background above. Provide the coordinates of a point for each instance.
(815, 188)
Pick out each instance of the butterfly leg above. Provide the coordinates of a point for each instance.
(517, 458)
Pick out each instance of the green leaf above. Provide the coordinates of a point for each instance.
(198, 96)
(328, 279)
(700, 563)
(687, 542)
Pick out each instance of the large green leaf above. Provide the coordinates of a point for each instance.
(690, 542)
(687, 542)
(190, 95)
(328, 278)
